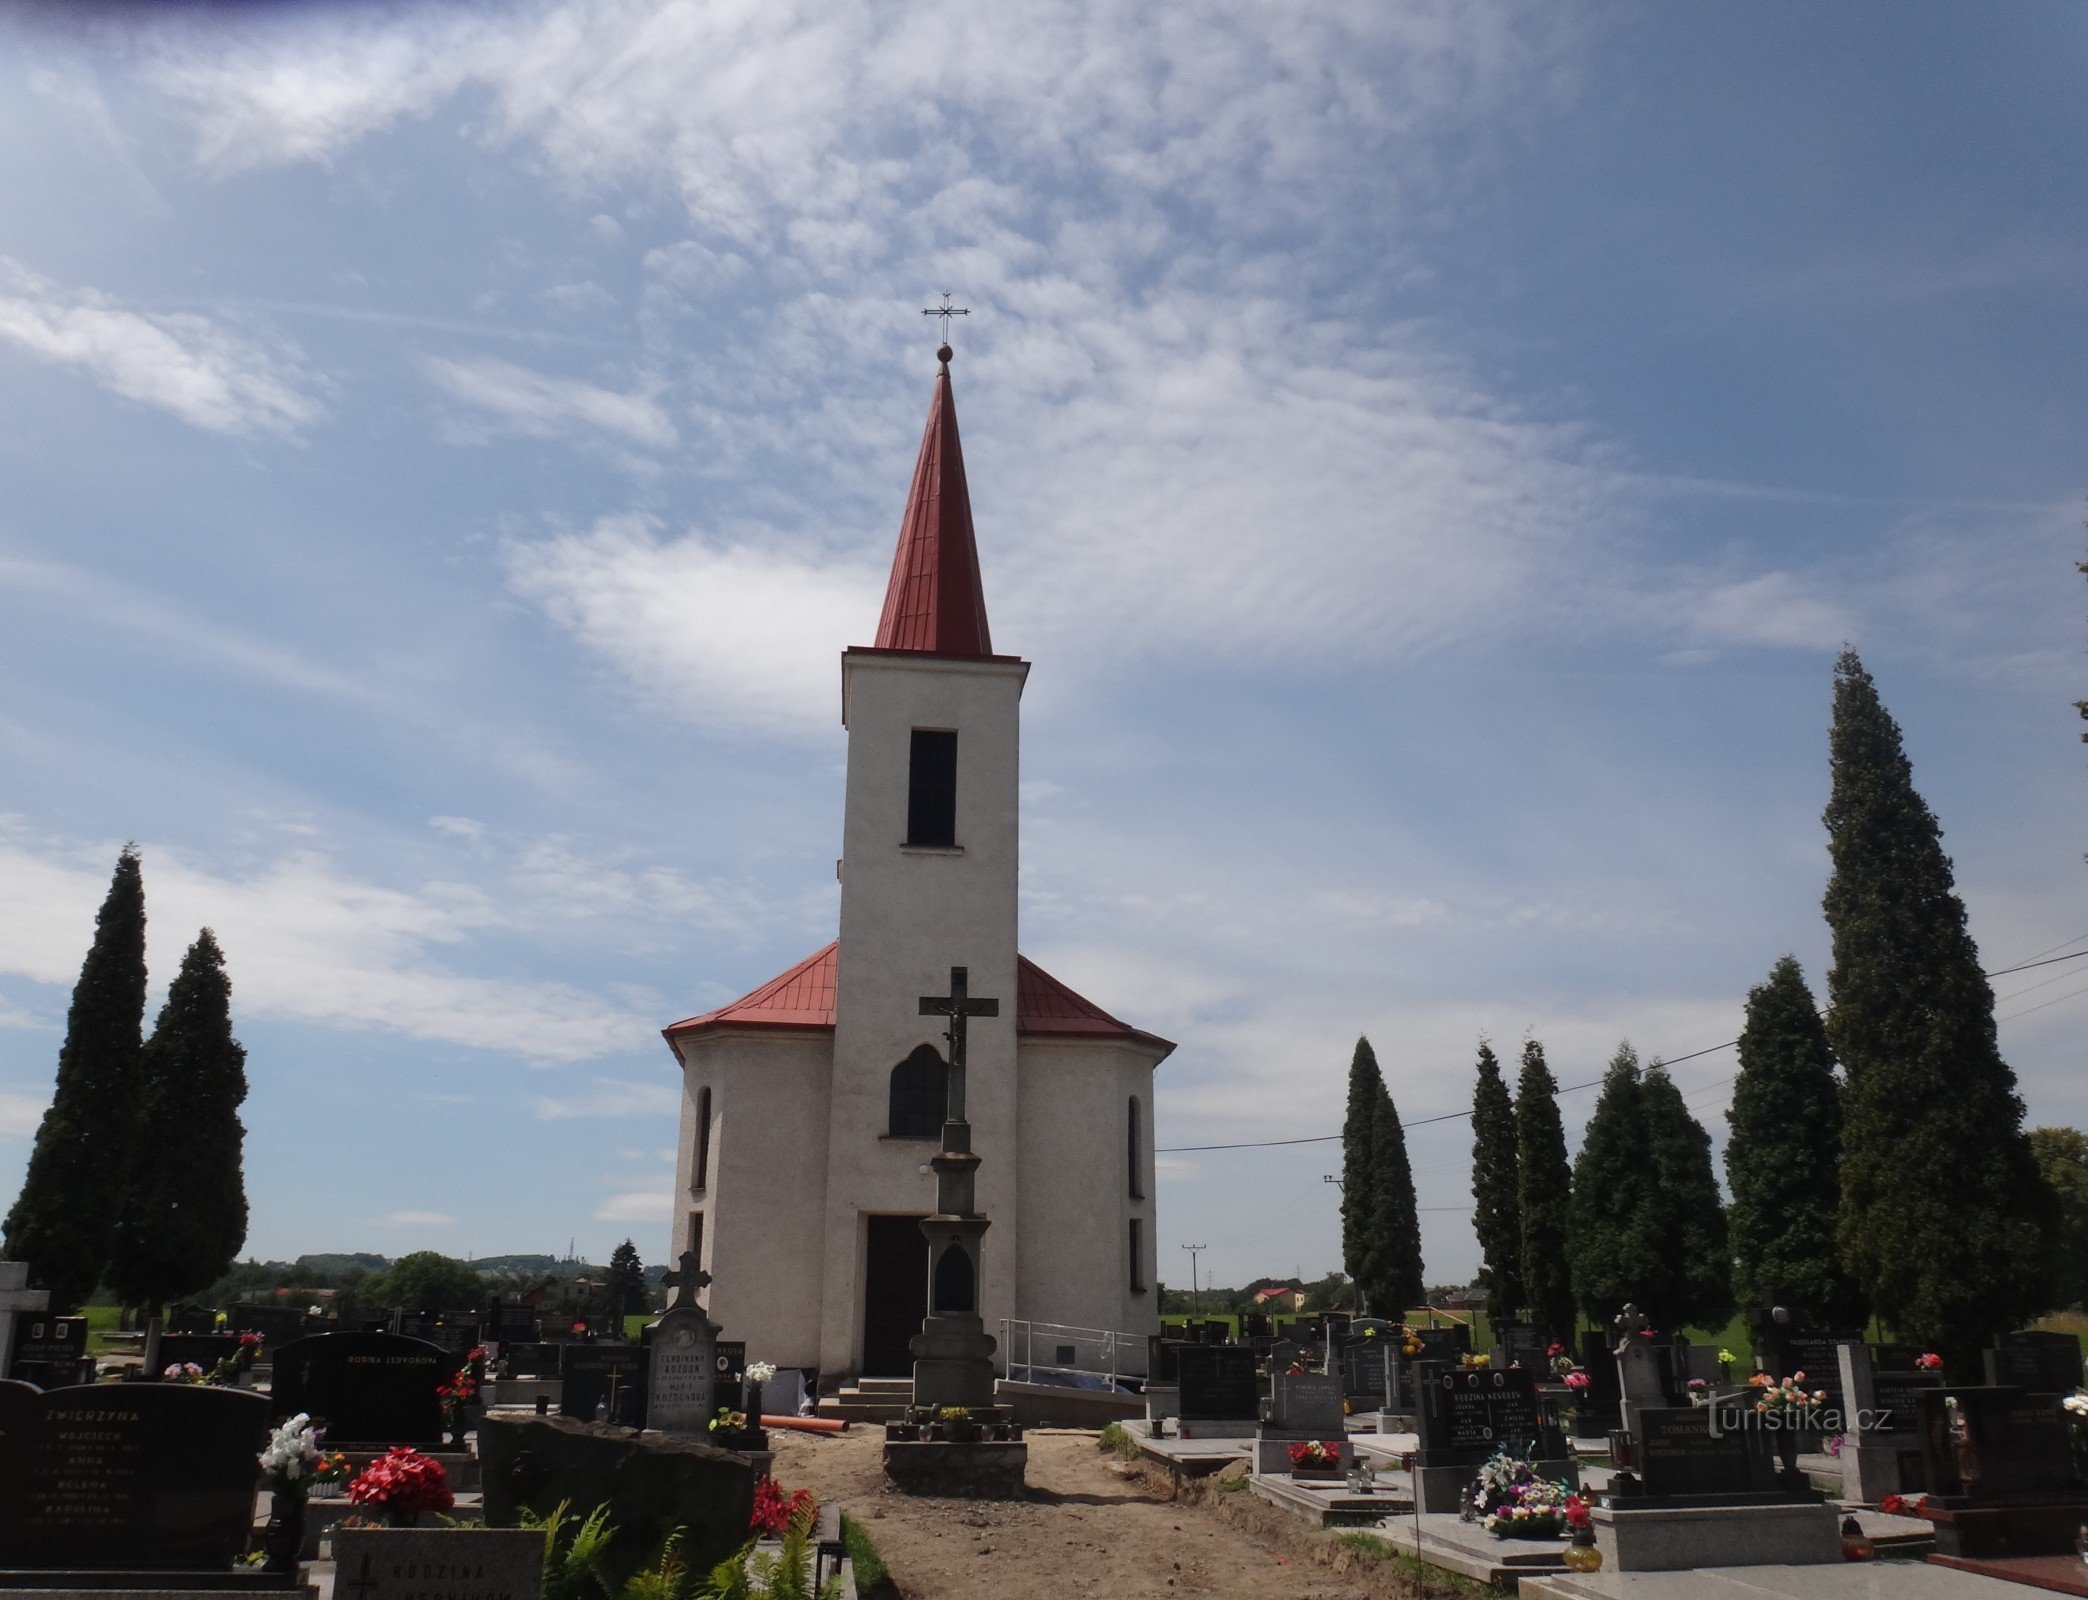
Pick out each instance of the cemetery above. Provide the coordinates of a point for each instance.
(907, 1333)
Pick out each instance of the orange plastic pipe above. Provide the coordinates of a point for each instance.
(807, 1424)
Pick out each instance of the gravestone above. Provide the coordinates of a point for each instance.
(1599, 1405)
(730, 1366)
(364, 1388)
(17, 1300)
(529, 1359)
(1516, 1346)
(191, 1319)
(1162, 1358)
(1817, 1355)
(1305, 1405)
(1881, 1428)
(438, 1563)
(1895, 1357)
(1451, 1343)
(1283, 1354)
(51, 1352)
(601, 1382)
(1684, 1454)
(1256, 1325)
(1640, 1387)
(277, 1325)
(127, 1477)
(1220, 1397)
(1468, 1415)
(509, 1321)
(681, 1377)
(1365, 1368)
(205, 1350)
(2043, 1363)
(2001, 1473)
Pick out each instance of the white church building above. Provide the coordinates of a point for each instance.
(811, 1105)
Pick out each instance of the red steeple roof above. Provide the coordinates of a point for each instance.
(935, 603)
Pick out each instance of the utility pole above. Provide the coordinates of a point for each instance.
(1194, 1309)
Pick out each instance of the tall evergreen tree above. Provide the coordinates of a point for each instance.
(62, 1221)
(1359, 1212)
(1944, 1224)
(185, 1215)
(1544, 1195)
(1397, 1223)
(1496, 1213)
(2062, 1156)
(1615, 1250)
(625, 1288)
(1689, 1213)
(1783, 1157)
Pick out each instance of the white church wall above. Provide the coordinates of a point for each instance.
(764, 1203)
(1077, 1204)
(907, 916)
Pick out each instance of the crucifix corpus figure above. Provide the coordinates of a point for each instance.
(959, 1006)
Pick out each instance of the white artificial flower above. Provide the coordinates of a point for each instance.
(761, 1372)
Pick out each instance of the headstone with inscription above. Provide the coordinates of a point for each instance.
(128, 1477)
(1597, 1407)
(51, 1352)
(17, 1300)
(205, 1350)
(1220, 1396)
(681, 1376)
(2044, 1363)
(438, 1563)
(1467, 1415)
(1449, 1343)
(2002, 1476)
(1687, 1456)
(1302, 1405)
(602, 1382)
(365, 1388)
(1881, 1428)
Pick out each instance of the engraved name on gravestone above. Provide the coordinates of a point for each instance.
(366, 1388)
(1305, 1405)
(681, 1378)
(1469, 1415)
(438, 1563)
(130, 1477)
(50, 1351)
(2045, 1363)
(1680, 1454)
(600, 1382)
(2016, 1445)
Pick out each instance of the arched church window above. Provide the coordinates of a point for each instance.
(955, 1282)
(920, 1085)
(1134, 1147)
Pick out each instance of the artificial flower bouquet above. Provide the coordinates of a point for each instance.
(1515, 1503)
(1315, 1455)
(774, 1511)
(1785, 1394)
(331, 1472)
(402, 1483)
(1904, 1505)
(290, 1455)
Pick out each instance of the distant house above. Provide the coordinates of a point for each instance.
(1279, 1298)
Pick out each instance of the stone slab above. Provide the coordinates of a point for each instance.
(1668, 1540)
(1330, 1505)
(982, 1471)
(1273, 1455)
(1470, 1551)
(439, 1563)
(1849, 1580)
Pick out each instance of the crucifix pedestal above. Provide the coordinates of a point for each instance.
(953, 1353)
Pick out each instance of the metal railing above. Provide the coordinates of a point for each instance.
(1029, 1348)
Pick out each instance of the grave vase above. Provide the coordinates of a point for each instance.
(283, 1539)
(1786, 1442)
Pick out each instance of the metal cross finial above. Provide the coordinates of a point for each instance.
(686, 1279)
(946, 311)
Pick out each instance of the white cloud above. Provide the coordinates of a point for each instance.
(617, 1097)
(741, 634)
(1772, 609)
(420, 1219)
(546, 407)
(179, 362)
(20, 1114)
(306, 941)
(639, 1205)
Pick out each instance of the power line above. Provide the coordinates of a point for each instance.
(1596, 1083)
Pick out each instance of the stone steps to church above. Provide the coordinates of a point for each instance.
(871, 1400)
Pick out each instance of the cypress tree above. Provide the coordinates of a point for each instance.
(1688, 1213)
(186, 1213)
(78, 1169)
(1359, 1245)
(1496, 1215)
(625, 1289)
(1944, 1224)
(1544, 1195)
(1397, 1223)
(1615, 1250)
(1783, 1157)
(2062, 1156)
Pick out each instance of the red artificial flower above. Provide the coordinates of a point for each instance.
(1557, 1349)
(1577, 1515)
(403, 1480)
(773, 1513)
(478, 1353)
(1929, 1361)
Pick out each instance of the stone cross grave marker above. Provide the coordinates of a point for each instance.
(681, 1376)
(1881, 1427)
(366, 1388)
(438, 1563)
(147, 1477)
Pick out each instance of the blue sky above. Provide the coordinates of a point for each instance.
(1431, 453)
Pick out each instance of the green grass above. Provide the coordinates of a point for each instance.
(1118, 1443)
(869, 1565)
(101, 1322)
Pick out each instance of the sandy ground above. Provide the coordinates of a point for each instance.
(1091, 1526)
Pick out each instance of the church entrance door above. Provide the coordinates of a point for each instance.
(895, 1294)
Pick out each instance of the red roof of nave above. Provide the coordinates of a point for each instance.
(935, 603)
(802, 999)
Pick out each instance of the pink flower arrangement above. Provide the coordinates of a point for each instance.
(1928, 1361)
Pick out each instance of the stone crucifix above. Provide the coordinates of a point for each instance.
(959, 1006)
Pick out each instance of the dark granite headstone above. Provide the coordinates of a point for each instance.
(531, 1360)
(276, 1324)
(128, 1477)
(1161, 1357)
(585, 1389)
(1895, 1357)
(729, 1363)
(50, 1352)
(506, 1321)
(1282, 1355)
(205, 1350)
(1684, 1453)
(1896, 1400)
(1363, 1368)
(1218, 1384)
(1601, 1403)
(1469, 1414)
(1305, 1405)
(1817, 1355)
(191, 1319)
(1444, 1344)
(2044, 1363)
(1256, 1325)
(2015, 1444)
(365, 1388)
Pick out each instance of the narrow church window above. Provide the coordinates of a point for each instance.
(931, 790)
(920, 1085)
(701, 1180)
(1132, 1141)
(696, 1233)
(954, 1279)
(1138, 1255)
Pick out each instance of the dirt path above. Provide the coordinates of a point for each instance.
(1091, 1526)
